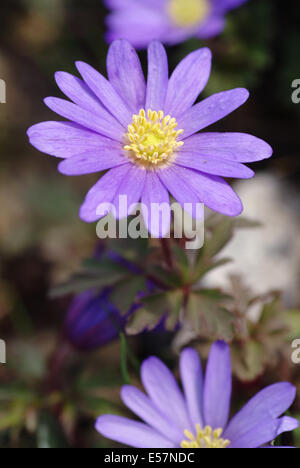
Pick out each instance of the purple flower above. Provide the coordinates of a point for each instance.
(170, 21)
(198, 418)
(145, 136)
(92, 320)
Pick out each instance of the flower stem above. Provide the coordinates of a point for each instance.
(167, 253)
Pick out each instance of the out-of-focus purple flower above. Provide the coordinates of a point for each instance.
(92, 320)
(170, 21)
(199, 417)
(130, 129)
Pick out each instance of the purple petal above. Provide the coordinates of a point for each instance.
(211, 110)
(255, 435)
(213, 165)
(126, 75)
(88, 163)
(164, 391)
(132, 433)
(272, 402)
(287, 424)
(212, 27)
(104, 124)
(158, 76)
(130, 26)
(102, 192)
(238, 147)
(187, 82)
(213, 191)
(66, 139)
(155, 193)
(230, 4)
(143, 407)
(107, 94)
(180, 189)
(76, 90)
(192, 381)
(131, 187)
(217, 386)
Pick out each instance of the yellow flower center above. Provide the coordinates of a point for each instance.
(187, 13)
(152, 139)
(205, 438)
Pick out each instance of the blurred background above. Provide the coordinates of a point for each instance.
(42, 240)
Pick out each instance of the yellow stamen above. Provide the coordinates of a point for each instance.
(205, 438)
(152, 139)
(188, 13)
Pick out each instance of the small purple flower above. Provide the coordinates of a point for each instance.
(145, 136)
(170, 21)
(92, 320)
(199, 417)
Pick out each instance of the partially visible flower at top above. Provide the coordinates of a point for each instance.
(92, 320)
(145, 135)
(198, 418)
(170, 21)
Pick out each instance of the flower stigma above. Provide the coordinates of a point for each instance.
(205, 438)
(152, 139)
(188, 13)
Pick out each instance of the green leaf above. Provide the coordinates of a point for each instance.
(154, 308)
(50, 433)
(220, 237)
(124, 293)
(96, 274)
(206, 311)
(248, 360)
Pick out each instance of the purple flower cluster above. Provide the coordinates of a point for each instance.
(198, 417)
(145, 135)
(170, 21)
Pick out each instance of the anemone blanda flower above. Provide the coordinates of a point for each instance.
(199, 417)
(92, 320)
(145, 136)
(170, 21)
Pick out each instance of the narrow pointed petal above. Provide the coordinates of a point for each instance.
(89, 163)
(213, 165)
(155, 194)
(129, 192)
(187, 82)
(143, 407)
(272, 402)
(213, 191)
(192, 380)
(107, 94)
(239, 147)
(66, 139)
(181, 190)
(76, 90)
(104, 124)
(164, 391)
(102, 192)
(158, 77)
(287, 424)
(126, 75)
(131, 433)
(211, 110)
(217, 386)
(255, 436)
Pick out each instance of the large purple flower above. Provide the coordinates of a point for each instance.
(170, 21)
(145, 135)
(198, 418)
